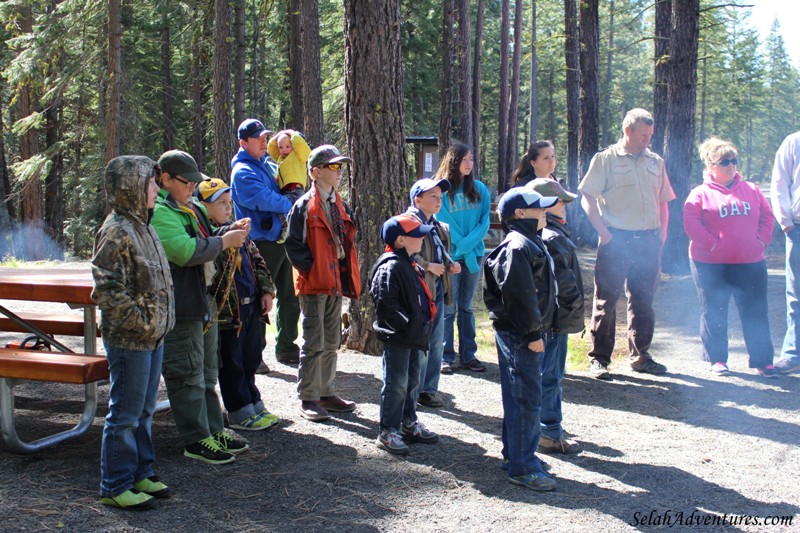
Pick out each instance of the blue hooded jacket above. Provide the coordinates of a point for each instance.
(256, 195)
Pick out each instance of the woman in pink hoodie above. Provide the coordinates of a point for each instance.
(729, 222)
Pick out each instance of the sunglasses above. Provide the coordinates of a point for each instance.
(336, 167)
(726, 161)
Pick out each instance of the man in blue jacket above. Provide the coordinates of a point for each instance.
(256, 195)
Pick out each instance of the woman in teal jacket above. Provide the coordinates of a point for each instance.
(466, 209)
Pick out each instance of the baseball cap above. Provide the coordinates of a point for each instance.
(548, 187)
(179, 163)
(326, 153)
(251, 128)
(523, 198)
(211, 189)
(425, 185)
(403, 225)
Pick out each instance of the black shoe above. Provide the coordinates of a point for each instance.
(209, 451)
(429, 399)
(292, 357)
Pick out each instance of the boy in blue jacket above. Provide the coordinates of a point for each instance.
(520, 295)
(404, 312)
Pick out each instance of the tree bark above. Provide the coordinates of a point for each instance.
(607, 139)
(513, 104)
(166, 84)
(446, 90)
(476, 91)
(199, 70)
(534, 81)
(502, 120)
(8, 210)
(295, 64)
(588, 139)
(313, 120)
(662, 62)
(114, 105)
(573, 91)
(223, 129)
(464, 74)
(53, 194)
(241, 52)
(375, 137)
(680, 139)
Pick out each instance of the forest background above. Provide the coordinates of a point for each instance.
(83, 81)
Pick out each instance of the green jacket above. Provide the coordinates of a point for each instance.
(132, 282)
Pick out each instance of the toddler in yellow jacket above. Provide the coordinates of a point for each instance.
(290, 151)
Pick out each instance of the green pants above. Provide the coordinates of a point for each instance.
(190, 370)
(287, 308)
(322, 333)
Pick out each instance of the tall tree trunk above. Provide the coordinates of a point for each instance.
(534, 106)
(502, 120)
(679, 139)
(662, 62)
(8, 210)
(588, 140)
(166, 84)
(551, 108)
(114, 105)
(573, 89)
(296, 64)
(241, 51)
(313, 122)
(375, 136)
(476, 91)
(446, 89)
(609, 78)
(223, 129)
(199, 70)
(704, 71)
(513, 104)
(53, 195)
(464, 74)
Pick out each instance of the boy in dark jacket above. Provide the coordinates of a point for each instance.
(520, 296)
(243, 291)
(556, 237)
(404, 312)
(321, 247)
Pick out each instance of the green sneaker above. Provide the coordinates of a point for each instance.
(257, 422)
(208, 450)
(538, 481)
(230, 443)
(130, 500)
(152, 486)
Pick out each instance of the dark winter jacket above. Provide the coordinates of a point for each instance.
(426, 255)
(556, 237)
(520, 285)
(400, 318)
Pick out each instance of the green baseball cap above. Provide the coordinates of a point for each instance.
(179, 163)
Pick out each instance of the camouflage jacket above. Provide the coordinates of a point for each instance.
(224, 288)
(132, 281)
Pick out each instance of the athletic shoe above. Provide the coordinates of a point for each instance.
(720, 369)
(419, 433)
(152, 486)
(392, 443)
(429, 399)
(447, 368)
(787, 365)
(547, 467)
(562, 445)
(473, 366)
(130, 500)
(768, 371)
(208, 450)
(269, 416)
(599, 371)
(256, 423)
(645, 365)
(230, 442)
(537, 481)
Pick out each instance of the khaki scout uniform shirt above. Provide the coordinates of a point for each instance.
(629, 189)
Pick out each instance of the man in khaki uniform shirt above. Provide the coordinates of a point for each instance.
(625, 195)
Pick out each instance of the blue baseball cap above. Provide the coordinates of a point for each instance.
(251, 128)
(523, 198)
(425, 185)
(403, 225)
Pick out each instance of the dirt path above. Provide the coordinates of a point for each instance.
(655, 447)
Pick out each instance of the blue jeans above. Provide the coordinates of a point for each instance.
(553, 363)
(521, 386)
(127, 452)
(430, 366)
(240, 355)
(791, 342)
(400, 381)
(464, 285)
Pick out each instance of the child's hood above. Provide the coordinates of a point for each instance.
(126, 184)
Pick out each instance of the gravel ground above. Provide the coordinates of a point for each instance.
(657, 449)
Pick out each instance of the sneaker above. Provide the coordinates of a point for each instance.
(547, 467)
(720, 369)
(599, 371)
(768, 371)
(263, 368)
(257, 422)
(208, 450)
(152, 486)
(230, 442)
(392, 443)
(335, 404)
(447, 368)
(473, 366)
(562, 445)
(313, 411)
(538, 481)
(419, 433)
(429, 399)
(269, 416)
(787, 365)
(130, 500)
(645, 365)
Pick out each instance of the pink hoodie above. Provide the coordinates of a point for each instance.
(727, 224)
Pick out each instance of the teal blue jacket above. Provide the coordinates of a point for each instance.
(468, 223)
